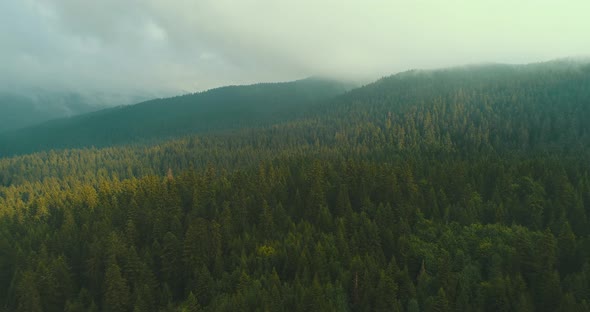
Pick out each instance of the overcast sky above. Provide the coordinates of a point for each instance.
(175, 46)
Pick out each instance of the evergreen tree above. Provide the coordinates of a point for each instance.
(116, 296)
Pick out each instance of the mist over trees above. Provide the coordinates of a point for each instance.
(25, 107)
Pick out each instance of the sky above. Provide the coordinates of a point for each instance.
(179, 46)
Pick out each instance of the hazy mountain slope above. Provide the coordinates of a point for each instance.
(508, 106)
(222, 108)
(27, 107)
(497, 109)
(511, 107)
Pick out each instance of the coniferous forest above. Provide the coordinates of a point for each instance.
(462, 189)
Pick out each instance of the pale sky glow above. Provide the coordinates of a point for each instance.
(174, 46)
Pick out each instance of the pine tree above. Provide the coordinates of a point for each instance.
(566, 243)
(191, 304)
(28, 298)
(441, 303)
(116, 296)
(386, 294)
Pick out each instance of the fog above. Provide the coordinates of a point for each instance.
(168, 47)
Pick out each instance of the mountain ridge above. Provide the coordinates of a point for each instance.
(262, 104)
(224, 107)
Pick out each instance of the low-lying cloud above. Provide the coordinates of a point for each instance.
(169, 46)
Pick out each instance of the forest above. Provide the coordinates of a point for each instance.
(460, 189)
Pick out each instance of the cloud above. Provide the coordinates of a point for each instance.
(170, 46)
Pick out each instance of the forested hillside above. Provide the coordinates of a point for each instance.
(152, 121)
(464, 189)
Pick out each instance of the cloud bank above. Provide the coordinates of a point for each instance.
(172, 46)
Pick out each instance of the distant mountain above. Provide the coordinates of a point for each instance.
(25, 108)
(222, 108)
(544, 105)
